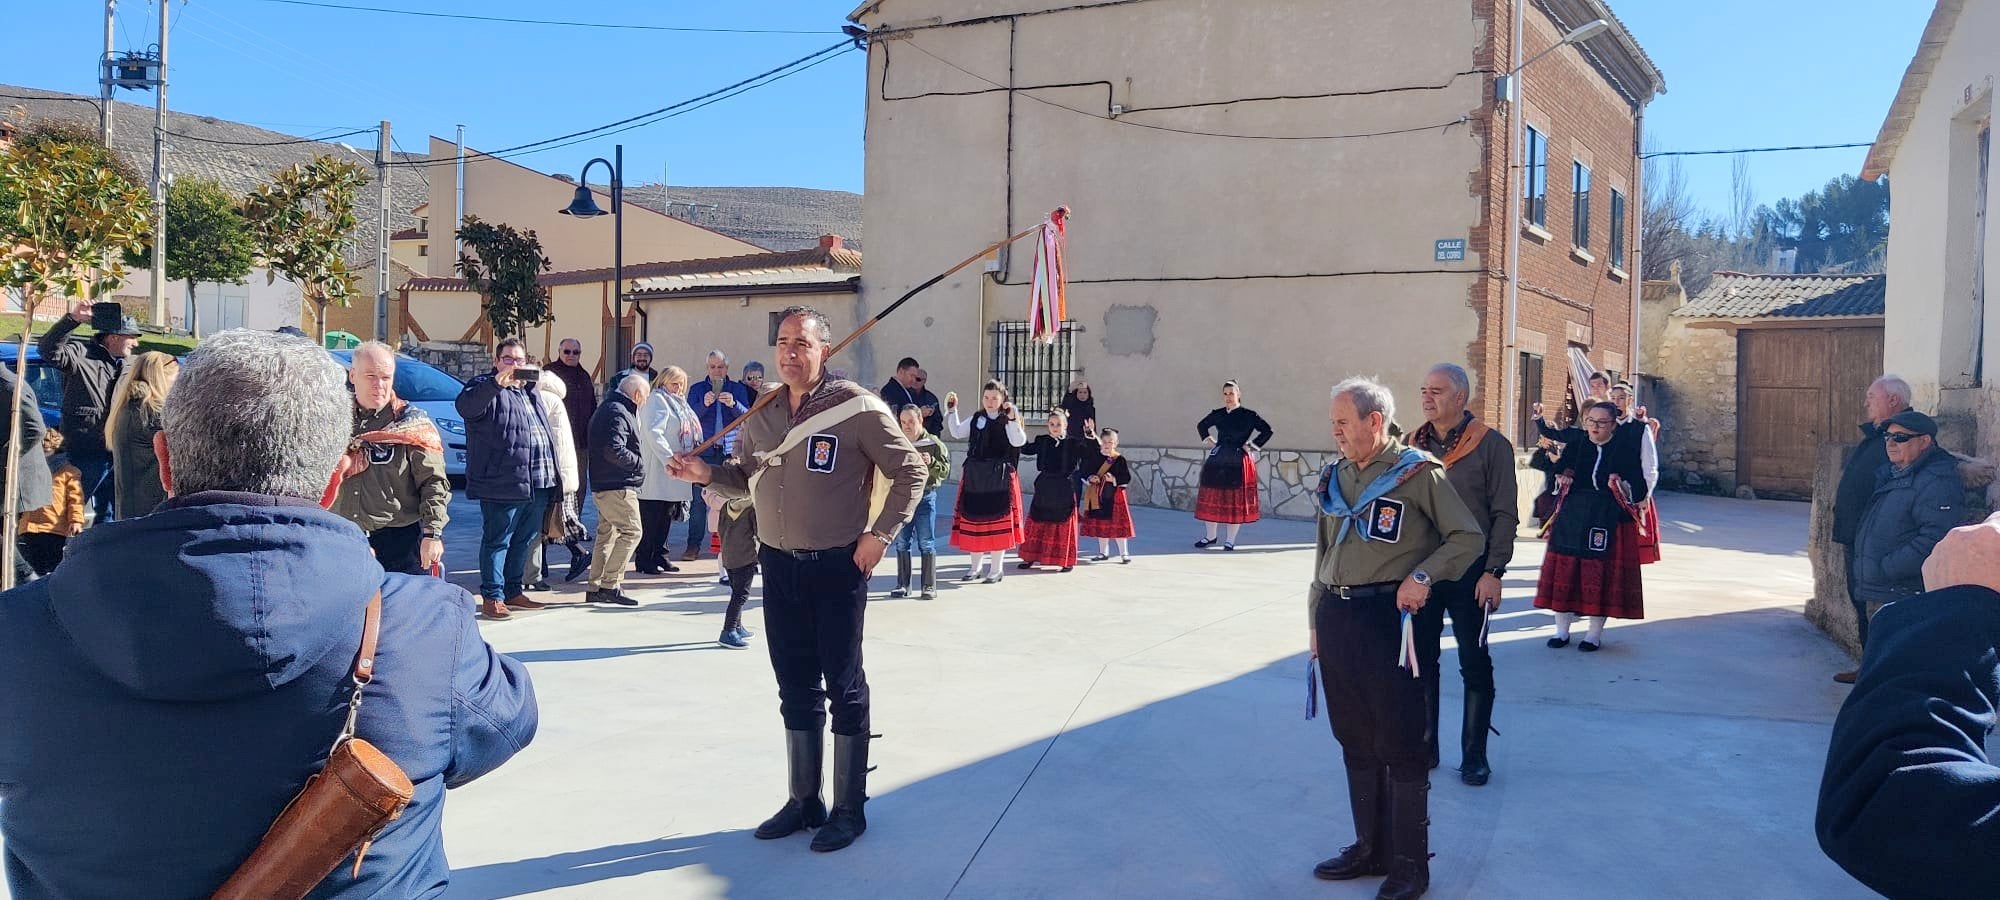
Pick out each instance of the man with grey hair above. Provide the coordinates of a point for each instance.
(579, 402)
(1886, 397)
(1390, 528)
(225, 628)
(616, 472)
(717, 401)
(402, 498)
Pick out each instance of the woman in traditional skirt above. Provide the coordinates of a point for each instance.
(1592, 564)
(1632, 419)
(1106, 515)
(1228, 495)
(987, 521)
(1051, 526)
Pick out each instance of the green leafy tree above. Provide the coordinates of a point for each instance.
(1842, 226)
(207, 239)
(505, 265)
(300, 224)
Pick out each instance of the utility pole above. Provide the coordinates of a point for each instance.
(159, 297)
(104, 73)
(382, 146)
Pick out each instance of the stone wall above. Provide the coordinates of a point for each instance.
(461, 359)
(1696, 405)
(1168, 478)
(1829, 608)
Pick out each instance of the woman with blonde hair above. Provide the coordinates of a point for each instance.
(136, 403)
(668, 427)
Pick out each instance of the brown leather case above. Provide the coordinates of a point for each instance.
(337, 814)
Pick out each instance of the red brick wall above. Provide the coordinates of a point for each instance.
(1581, 115)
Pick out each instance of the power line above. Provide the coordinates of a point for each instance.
(627, 26)
(1754, 150)
(307, 140)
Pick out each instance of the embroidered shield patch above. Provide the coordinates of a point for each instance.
(1386, 522)
(1600, 539)
(380, 454)
(821, 452)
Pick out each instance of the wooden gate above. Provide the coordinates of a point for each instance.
(1796, 389)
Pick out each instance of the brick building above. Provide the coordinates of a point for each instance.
(1282, 193)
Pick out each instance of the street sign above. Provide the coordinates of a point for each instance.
(1451, 250)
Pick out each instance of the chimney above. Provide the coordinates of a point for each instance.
(829, 242)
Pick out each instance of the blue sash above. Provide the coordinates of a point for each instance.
(1332, 504)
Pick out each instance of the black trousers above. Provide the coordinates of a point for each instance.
(396, 548)
(656, 518)
(812, 625)
(1375, 707)
(1468, 616)
(739, 593)
(43, 551)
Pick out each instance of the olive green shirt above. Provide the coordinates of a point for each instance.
(1419, 524)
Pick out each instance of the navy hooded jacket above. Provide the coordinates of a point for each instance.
(172, 684)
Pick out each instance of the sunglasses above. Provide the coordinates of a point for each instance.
(572, 352)
(1901, 437)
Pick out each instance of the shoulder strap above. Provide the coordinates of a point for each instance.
(371, 630)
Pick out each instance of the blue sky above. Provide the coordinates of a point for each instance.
(1740, 73)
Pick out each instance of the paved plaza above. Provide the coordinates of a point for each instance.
(1139, 731)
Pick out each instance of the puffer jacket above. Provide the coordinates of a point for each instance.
(555, 409)
(172, 685)
(1911, 511)
(615, 464)
(497, 423)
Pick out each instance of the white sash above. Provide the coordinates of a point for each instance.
(879, 485)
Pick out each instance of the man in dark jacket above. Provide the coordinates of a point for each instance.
(90, 368)
(1919, 499)
(174, 683)
(1888, 396)
(1910, 801)
(616, 472)
(580, 402)
(717, 401)
(34, 486)
(511, 469)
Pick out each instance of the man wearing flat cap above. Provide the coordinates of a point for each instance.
(1918, 498)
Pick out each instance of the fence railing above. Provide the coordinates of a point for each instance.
(1036, 374)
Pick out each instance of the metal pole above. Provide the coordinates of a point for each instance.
(104, 73)
(458, 199)
(617, 256)
(159, 296)
(382, 146)
(1511, 229)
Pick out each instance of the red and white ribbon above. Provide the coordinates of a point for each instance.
(1406, 656)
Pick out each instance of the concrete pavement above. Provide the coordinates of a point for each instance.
(1139, 731)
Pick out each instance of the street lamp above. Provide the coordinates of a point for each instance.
(584, 206)
(1504, 90)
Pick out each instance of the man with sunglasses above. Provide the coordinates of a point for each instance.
(580, 403)
(1917, 501)
(1888, 396)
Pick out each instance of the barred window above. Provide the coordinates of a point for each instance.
(1036, 374)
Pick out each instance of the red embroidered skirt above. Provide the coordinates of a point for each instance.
(1230, 506)
(1649, 543)
(1118, 525)
(1606, 586)
(982, 535)
(1049, 543)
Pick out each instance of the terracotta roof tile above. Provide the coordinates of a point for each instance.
(1734, 295)
(840, 261)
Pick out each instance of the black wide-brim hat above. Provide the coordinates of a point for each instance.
(110, 318)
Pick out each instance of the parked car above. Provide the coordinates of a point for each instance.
(45, 379)
(434, 391)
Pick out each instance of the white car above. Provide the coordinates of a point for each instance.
(435, 392)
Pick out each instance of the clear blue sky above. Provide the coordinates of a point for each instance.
(1740, 73)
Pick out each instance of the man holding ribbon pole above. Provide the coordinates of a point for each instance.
(1390, 527)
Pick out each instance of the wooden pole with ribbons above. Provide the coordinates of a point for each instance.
(767, 396)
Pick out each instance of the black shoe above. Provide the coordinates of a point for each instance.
(1069, 568)
(1024, 565)
(1477, 723)
(579, 565)
(1409, 841)
(850, 794)
(616, 598)
(1587, 647)
(1363, 858)
(1100, 557)
(648, 570)
(542, 586)
(1204, 543)
(1228, 546)
(804, 755)
(669, 567)
(1558, 643)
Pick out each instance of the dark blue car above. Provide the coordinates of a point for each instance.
(42, 377)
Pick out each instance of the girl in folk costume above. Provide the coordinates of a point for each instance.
(1051, 526)
(919, 538)
(1228, 495)
(1106, 515)
(1633, 421)
(1592, 564)
(988, 520)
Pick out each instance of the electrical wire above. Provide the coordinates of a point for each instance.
(1755, 150)
(627, 26)
(328, 139)
(1028, 93)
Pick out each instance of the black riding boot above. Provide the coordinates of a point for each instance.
(902, 574)
(1478, 721)
(850, 794)
(1431, 718)
(930, 576)
(804, 755)
(1409, 850)
(1366, 857)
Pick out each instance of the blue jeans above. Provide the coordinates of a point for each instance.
(98, 490)
(509, 531)
(920, 536)
(698, 508)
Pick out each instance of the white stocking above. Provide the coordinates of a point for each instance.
(1596, 630)
(1124, 551)
(1229, 534)
(1211, 530)
(1563, 621)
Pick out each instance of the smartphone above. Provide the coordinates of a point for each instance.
(527, 374)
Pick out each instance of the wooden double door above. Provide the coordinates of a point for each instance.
(1796, 389)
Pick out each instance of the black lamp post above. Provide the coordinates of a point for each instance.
(584, 206)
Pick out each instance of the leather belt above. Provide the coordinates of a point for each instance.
(1361, 591)
(816, 555)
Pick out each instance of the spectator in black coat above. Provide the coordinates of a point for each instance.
(1918, 500)
(616, 473)
(910, 388)
(1888, 396)
(1910, 802)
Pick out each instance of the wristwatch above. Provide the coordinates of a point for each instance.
(1497, 571)
(1421, 577)
(886, 541)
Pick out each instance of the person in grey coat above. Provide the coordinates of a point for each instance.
(34, 487)
(1917, 500)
